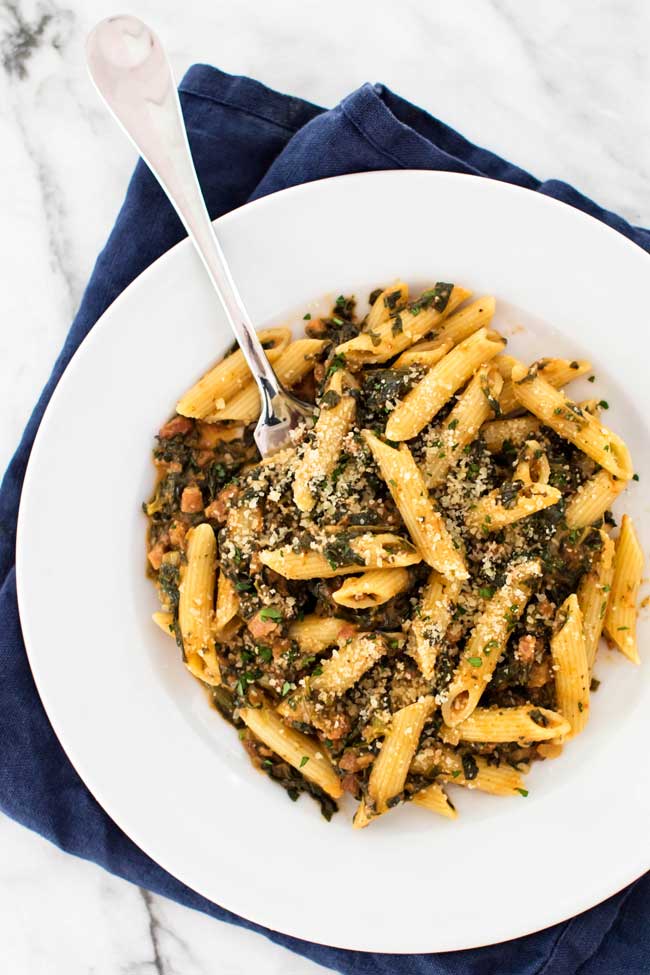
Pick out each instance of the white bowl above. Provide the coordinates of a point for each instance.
(140, 731)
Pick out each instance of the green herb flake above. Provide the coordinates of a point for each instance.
(604, 405)
(475, 661)
(486, 592)
(270, 613)
(591, 379)
(635, 477)
(304, 760)
(306, 318)
(286, 687)
(523, 792)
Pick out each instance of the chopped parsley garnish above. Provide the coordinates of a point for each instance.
(304, 760)
(270, 613)
(475, 661)
(523, 792)
(306, 318)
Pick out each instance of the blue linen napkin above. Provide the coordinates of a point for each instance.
(249, 141)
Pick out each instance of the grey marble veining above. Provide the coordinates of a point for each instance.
(560, 88)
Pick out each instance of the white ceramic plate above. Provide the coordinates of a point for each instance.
(139, 730)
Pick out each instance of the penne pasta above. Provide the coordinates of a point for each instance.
(227, 605)
(382, 551)
(314, 634)
(527, 493)
(390, 301)
(620, 617)
(593, 596)
(426, 398)
(399, 332)
(428, 628)
(347, 665)
(372, 588)
(165, 621)
(447, 765)
(514, 432)
(592, 500)
(292, 365)
(434, 798)
(196, 604)
(391, 766)
(569, 421)
(524, 723)
(556, 372)
(228, 377)
(476, 405)
(453, 330)
(418, 356)
(298, 750)
(570, 665)
(394, 557)
(488, 641)
(337, 412)
(425, 524)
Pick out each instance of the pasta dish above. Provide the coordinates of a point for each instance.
(410, 597)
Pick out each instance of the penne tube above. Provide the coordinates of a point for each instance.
(569, 421)
(476, 405)
(223, 635)
(621, 614)
(592, 406)
(292, 365)
(165, 621)
(416, 356)
(592, 500)
(428, 628)
(391, 300)
(313, 634)
(447, 765)
(488, 641)
(514, 431)
(298, 750)
(391, 766)
(463, 323)
(434, 798)
(453, 330)
(525, 723)
(381, 551)
(570, 665)
(228, 377)
(394, 336)
(557, 372)
(347, 665)
(593, 596)
(426, 398)
(196, 604)
(372, 588)
(337, 412)
(424, 522)
(527, 493)
(227, 602)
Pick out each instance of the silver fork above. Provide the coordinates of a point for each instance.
(130, 70)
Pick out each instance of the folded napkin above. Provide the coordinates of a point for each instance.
(247, 142)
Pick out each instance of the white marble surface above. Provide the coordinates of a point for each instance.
(561, 88)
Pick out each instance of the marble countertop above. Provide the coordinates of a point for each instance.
(561, 89)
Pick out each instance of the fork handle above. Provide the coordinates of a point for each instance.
(129, 67)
